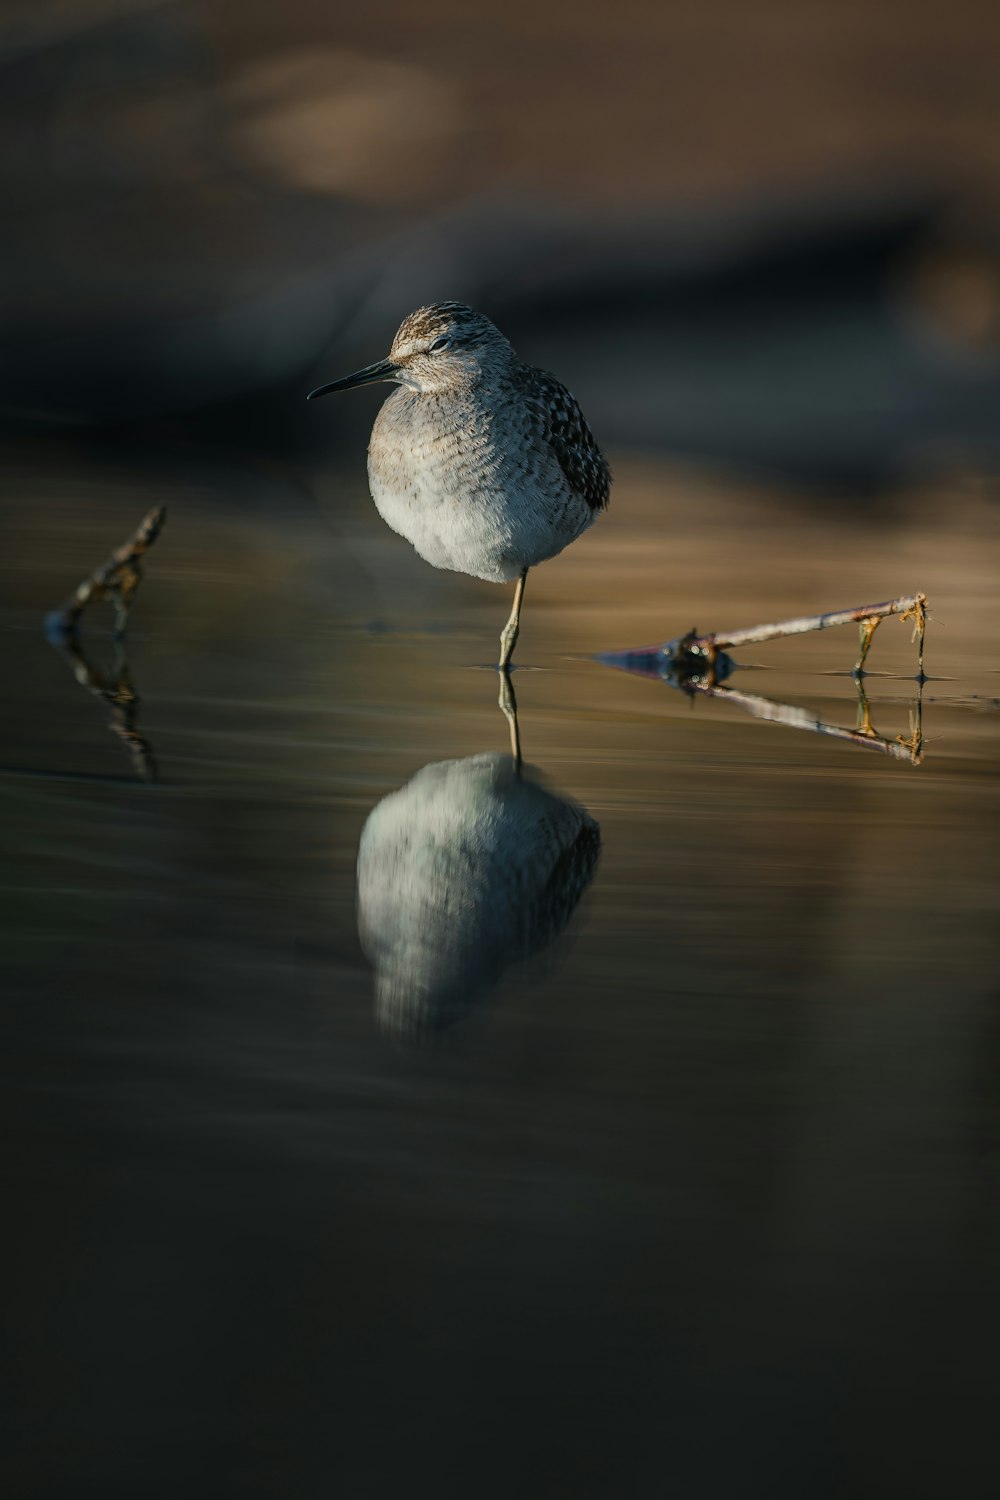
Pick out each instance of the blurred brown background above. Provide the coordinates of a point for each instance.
(720, 222)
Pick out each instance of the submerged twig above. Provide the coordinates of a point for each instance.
(116, 579)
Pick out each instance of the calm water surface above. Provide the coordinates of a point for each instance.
(661, 1153)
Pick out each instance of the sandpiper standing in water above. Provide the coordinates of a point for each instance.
(485, 464)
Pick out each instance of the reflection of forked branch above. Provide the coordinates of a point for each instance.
(708, 683)
(116, 579)
(116, 689)
(699, 664)
(903, 747)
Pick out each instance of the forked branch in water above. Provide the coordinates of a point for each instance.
(116, 579)
(693, 653)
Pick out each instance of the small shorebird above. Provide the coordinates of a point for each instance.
(485, 464)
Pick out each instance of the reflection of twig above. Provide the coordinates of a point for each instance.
(116, 579)
(692, 652)
(116, 689)
(685, 676)
(908, 747)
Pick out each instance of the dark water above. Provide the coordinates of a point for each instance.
(669, 1161)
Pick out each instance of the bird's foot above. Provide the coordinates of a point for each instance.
(508, 640)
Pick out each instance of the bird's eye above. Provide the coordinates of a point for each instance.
(441, 343)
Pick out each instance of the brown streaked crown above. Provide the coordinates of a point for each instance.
(463, 324)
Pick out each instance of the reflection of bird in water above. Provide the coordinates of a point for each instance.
(485, 464)
(469, 867)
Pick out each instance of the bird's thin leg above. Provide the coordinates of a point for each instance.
(508, 704)
(508, 636)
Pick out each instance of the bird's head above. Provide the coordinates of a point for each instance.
(445, 344)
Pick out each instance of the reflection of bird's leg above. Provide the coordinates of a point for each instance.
(867, 629)
(508, 704)
(508, 636)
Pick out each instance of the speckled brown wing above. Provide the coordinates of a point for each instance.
(561, 426)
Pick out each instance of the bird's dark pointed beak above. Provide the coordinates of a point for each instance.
(384, 370)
